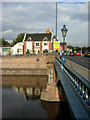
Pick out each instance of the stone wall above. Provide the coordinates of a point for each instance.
(25, 72)
(26, 65)
(34, 62)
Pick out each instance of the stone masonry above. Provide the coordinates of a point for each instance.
(33, 62)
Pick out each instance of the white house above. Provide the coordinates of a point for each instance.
(17, 49)
(37, 42)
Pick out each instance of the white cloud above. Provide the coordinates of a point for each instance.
(45, 0)
(75, 11)
(36, 17)
(9, 34)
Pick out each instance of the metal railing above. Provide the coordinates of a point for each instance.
(81, 85)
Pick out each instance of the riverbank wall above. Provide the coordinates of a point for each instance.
(26, 65)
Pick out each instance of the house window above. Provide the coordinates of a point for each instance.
(37, 44)
(45, 44)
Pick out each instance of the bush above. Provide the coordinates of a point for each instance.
(27, 52)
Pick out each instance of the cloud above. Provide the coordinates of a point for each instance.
(45, 0)
(9, 34)
(36, 17)
(75, 11)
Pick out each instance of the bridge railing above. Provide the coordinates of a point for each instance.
(81, 85)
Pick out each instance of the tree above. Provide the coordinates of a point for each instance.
(3, 42)
(85, 49)
(69, 46)
(78, 49)
(73, 49)
(18, 39)
(13, 43)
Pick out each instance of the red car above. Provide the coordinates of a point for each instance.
(78, 54)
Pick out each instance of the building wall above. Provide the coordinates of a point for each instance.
(41, 47)
(16, 47)
(24, 48)
(57, 49)
(29, 46)
(61, 46)
(5, 51)
(45, 46)
(50, 45)
(36, 48)
(32, 46)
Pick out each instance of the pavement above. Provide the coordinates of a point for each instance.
(81, 60)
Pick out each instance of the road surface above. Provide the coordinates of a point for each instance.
(81, 60)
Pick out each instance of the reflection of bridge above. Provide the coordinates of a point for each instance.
(77, 90)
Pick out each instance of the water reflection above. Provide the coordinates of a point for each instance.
(30, 81)
(57, 110)
(29, 93)
(22, 100)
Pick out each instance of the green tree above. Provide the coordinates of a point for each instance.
(13, 43)
(69, 46)
(18, 39)
(78, 49)
(85, 49)
(73, 49)
(3, 42)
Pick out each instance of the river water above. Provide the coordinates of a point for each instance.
(24, 102)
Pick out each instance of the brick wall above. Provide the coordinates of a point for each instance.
(50, 45)
(24, 48)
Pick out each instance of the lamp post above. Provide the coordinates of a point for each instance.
(56, 20)
(64, 32)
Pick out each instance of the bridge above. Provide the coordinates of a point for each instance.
(75, 86)
(77, 90)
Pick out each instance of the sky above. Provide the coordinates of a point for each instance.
(33, 17)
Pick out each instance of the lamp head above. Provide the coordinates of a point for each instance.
(64, 30)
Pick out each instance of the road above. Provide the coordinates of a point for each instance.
(83, 61)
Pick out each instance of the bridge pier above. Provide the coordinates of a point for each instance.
(54, 91)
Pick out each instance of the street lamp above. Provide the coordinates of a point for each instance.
(64, 32)
(56, 19)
